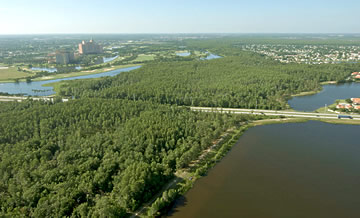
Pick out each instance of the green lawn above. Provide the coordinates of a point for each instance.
(11, 73)
(144, 57)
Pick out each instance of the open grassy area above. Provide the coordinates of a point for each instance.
(11, 73)
(144, 57)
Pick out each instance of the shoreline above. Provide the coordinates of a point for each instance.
(184, 179)
(74, 74)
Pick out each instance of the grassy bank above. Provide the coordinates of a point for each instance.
(306, 93)
(314, 91)
(9, 74)
(83, 73)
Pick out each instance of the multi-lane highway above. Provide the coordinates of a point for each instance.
(274, 113)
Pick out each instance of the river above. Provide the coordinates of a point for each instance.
(328, 96)
(33, 88)
(282, 170)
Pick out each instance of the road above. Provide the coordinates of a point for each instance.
(21, 98)
(274, 113)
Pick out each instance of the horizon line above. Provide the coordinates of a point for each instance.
(179, 33)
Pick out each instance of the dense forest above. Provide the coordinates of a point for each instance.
(95, 157)
(112, 148)
(243, 80)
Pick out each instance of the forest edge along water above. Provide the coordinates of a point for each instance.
(288, 170)
(327, 96)
(36, 88)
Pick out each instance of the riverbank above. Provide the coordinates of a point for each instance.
(315, 91)
(268, 168)
(186, 178)
(74, 74)
(303, 120)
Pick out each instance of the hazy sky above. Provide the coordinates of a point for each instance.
(179, 16)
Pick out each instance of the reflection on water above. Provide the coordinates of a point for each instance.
(282, 170)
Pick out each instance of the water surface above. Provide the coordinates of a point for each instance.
(211, 56)
(328, 95)
(106, 60)
(51, 69)
(183, 54)
(282, 171)
(36, 88)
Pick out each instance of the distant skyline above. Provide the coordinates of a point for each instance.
(185, 16)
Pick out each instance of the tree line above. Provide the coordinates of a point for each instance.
(246, 80)
(93, 157)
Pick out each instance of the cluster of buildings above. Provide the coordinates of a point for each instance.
(350, 106)
(68, 57)
(308, 54)
(356, 75)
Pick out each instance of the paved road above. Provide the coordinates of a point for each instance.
(273, 113)
(21, 98)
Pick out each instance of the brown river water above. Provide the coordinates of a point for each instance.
(282, 170)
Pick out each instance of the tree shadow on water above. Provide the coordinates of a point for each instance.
(178, 204)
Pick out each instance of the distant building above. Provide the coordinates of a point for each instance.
(355, 101)
(343, 106)
(90, 47)
(64, 57)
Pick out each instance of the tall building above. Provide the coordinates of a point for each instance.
(90, 47)
(64, 57)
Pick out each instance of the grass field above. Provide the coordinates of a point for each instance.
(144, 57)
(11, 73)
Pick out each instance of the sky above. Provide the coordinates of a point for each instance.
(179, 16)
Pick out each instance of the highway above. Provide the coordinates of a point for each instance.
(21, 98)
(274, 113)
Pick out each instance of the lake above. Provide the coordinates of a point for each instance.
(282, 170)
(328, 96)
(208, 57)
(211, 56)
(183, 54)
(34, 88)
(106, 60)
